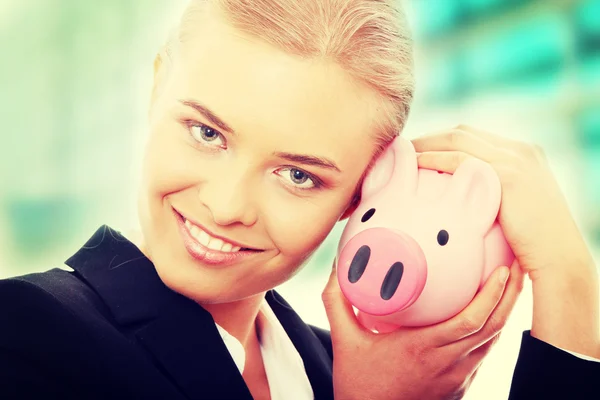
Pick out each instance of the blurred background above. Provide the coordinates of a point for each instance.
(75, 80)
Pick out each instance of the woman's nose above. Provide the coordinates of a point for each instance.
(229, 198)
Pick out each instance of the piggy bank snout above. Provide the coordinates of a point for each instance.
(381, 271)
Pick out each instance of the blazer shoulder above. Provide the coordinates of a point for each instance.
(324, 337)
(45, 302)
(544, 371)
(54, 338)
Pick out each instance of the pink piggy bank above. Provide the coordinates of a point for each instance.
(421, 243)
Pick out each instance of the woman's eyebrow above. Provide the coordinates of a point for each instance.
(308, 160)
(299, 158)
(209, 115)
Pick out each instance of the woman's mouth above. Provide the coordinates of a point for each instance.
(204, 247)
(208, 241)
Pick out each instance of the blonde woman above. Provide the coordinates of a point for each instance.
(263, 119)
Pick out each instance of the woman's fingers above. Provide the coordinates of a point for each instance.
(444, 161)
(472, 319)
(473, 360)
(461, 141)
(499, 316)
(340, 313)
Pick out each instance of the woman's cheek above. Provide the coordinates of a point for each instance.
(172, 164)
(299, 226)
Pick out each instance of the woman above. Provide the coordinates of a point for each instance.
(264, 117)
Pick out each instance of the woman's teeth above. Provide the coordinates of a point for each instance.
(208, 241)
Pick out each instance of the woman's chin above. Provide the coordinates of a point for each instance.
(201, 286)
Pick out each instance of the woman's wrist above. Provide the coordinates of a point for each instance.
(566, 307)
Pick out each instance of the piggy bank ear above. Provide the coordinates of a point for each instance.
(399, 161)
(476, 191)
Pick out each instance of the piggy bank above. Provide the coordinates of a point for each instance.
(421, 243)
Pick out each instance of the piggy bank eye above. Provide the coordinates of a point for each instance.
(367, 215)
(442, 237)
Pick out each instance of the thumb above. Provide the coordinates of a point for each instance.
(340, 313)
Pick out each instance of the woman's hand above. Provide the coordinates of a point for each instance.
(540, 229)
(534, 214)
(434, 362)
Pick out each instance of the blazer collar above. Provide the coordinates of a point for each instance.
(317, 363)
(123, 277)
(179, 333)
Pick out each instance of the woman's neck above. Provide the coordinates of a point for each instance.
(238, 318)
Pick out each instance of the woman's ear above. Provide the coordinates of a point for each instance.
(160, 76)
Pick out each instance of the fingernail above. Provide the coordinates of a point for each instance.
(504, 275)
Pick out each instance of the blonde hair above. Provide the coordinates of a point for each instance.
(368, 38)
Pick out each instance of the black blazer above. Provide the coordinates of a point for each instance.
(112, 330)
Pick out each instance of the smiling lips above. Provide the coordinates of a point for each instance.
(208, 241)
(204, 247)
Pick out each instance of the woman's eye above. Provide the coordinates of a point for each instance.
(299, 178)
(205, 135)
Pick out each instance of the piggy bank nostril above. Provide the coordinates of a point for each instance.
(391, 281)
(367, 216)
(359, 263)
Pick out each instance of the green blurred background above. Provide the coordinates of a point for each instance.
(75, 79)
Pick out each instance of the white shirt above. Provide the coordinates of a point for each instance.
(582, 356)
(283, 365)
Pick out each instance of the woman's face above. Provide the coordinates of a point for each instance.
(253, 146)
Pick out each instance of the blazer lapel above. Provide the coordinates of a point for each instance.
(317, 363)
(180, 336)
(192, 352)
